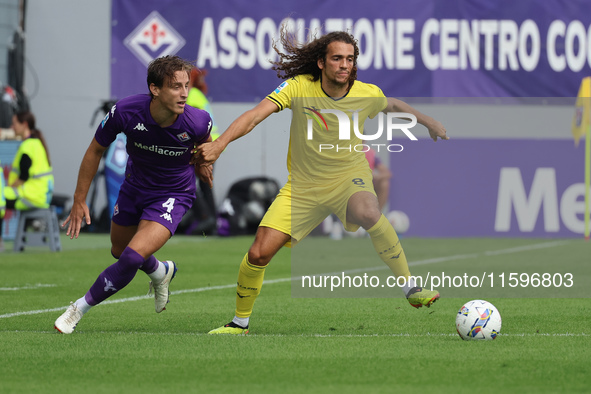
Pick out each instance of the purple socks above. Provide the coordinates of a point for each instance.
(150, 265)
(118, 275)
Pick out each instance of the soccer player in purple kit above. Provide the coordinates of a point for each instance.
(159, 185)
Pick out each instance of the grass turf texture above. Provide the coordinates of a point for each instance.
(296, 344)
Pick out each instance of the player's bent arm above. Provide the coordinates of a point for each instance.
(86, 174)
(239, 128)
(436, 129)
(88, 169)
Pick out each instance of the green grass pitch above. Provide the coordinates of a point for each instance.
(297, 345)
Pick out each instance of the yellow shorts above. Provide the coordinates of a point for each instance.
(299, 209)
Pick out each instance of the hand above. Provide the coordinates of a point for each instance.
(205, 173)
(206, 153)
(78, 212)
(436, 129)
(17, 183)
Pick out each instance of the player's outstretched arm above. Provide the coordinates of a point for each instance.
(435, 127)
(88, 170)
(209, 152)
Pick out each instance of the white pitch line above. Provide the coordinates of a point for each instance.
(311, 335)
(455, 257)
(281, 280)
(26, 287)
(527, 247)
(137, 298)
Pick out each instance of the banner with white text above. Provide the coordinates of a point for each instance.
(423, 48)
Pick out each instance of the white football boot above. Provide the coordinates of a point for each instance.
(67, 322)
(161, 288)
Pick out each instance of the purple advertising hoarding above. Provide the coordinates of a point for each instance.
(423, 48)
(482, 187)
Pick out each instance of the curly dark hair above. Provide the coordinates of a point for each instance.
(165, 67)
(301, 59)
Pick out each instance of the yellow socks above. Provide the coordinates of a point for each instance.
(386, 242)
(250, 280)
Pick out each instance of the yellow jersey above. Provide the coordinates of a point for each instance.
(325, 133)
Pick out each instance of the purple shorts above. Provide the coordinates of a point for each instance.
(166, 208)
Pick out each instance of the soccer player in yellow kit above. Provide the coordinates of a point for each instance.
(319, 75)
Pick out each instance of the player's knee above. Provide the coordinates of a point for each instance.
(115, 252)
(131, 259)
(368, 218)
(363, 210)
(257, 255)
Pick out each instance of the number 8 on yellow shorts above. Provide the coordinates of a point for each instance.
(301, 206)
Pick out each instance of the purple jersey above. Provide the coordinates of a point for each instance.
(158, 157)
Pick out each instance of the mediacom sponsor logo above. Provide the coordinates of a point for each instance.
(166, 151)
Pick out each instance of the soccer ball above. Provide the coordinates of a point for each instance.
(398, 220)
(478, 319)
